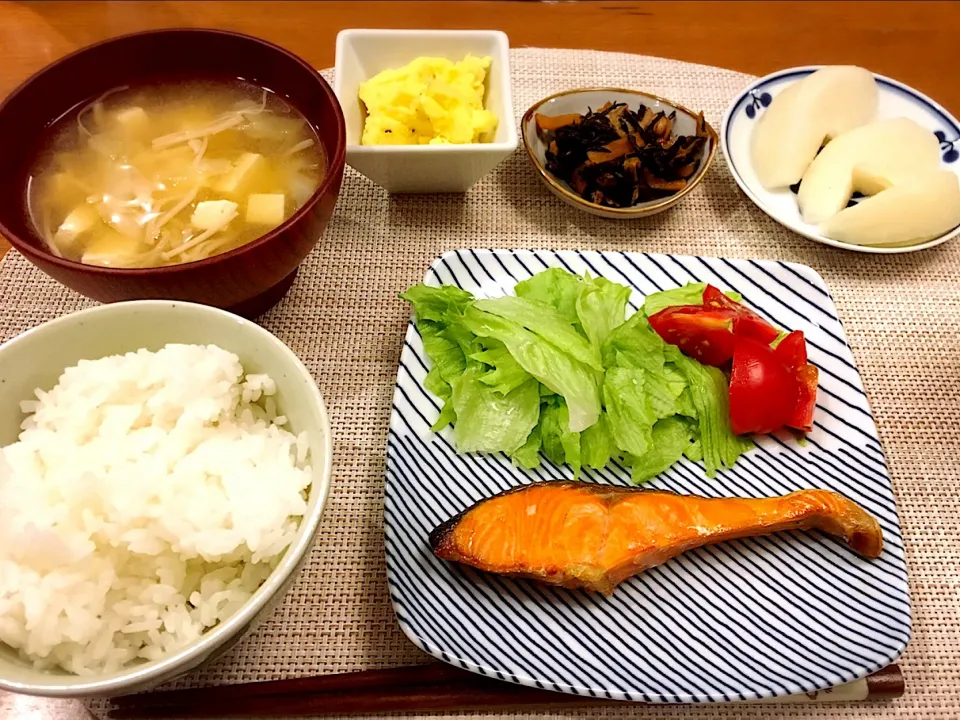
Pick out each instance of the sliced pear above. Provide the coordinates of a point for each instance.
(916, 209)
(866, 159)
(821, 106)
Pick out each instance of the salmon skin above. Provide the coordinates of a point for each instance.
(584, 535)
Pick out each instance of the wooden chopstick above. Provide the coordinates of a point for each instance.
(410, 676)
(425, 688)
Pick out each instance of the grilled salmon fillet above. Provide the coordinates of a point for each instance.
(584, 535)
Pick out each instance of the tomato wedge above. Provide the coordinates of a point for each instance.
(792, 350)
(802, 416)
(700, 332)
(770, 388)
(763, 391)
(747, 322)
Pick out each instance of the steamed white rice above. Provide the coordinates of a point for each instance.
(148, 497)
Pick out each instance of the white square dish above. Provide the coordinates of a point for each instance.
(361, 54)
(744, 620)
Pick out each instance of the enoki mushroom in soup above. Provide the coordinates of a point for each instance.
(172, 172)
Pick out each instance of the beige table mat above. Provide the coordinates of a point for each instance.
(343, 318)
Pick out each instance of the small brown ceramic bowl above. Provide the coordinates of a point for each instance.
(579, 101)
(247, 280)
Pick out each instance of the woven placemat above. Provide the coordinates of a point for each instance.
(343, 318)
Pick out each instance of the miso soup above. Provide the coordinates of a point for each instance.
(172, 173)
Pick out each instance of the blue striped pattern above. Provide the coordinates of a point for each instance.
(749, 619)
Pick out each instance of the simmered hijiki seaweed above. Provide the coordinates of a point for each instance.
(617, 157)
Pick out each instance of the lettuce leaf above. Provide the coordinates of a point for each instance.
(437, 304)
(708, 395)
(546, 322)
(446, 354)
(554, 287)
(491, 421)
(597, 445)
(449, 363)
(556, 369)
(560, 444)
(629, 410)
(435, 383)
(689, 294)
(634, 344)
(505, 374)
(528, 455)
(601, 307)
(671, 438)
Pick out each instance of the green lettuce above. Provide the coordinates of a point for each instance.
(601, 308)
(634, 344)
(437, 304)
(449, 363)
(689, 294)
(559, 370)
(597, 445)
(528, 455)
(630, 411)
(671, 437)
(545, 322)
(720, 448)
(492, 421)
(554, 287)
(504, 373)
(560, 444)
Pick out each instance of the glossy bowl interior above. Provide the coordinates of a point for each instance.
(579, 101)
(248, 279)
(37, 357)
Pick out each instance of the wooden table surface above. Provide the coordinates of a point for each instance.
(914, 42)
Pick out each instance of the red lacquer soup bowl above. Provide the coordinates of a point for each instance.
(247, 280)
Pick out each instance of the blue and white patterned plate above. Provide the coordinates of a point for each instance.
(896, 100)
(744, 620)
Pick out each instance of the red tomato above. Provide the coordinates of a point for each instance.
(792, 350)
(702, 333)
(747, 322)
(763, 392)
(802, 416)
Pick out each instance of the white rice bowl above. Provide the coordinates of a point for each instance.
(147, 498)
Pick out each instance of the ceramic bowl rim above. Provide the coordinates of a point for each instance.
(632, 211)
(80, 686)
(335, 152)
(815, 237)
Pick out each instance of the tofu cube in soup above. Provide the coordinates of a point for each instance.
(213, 214)
(79, 221)
(246, 167)
(265, 209)
(133, 120)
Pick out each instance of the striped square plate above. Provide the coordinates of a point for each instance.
(750, 619)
